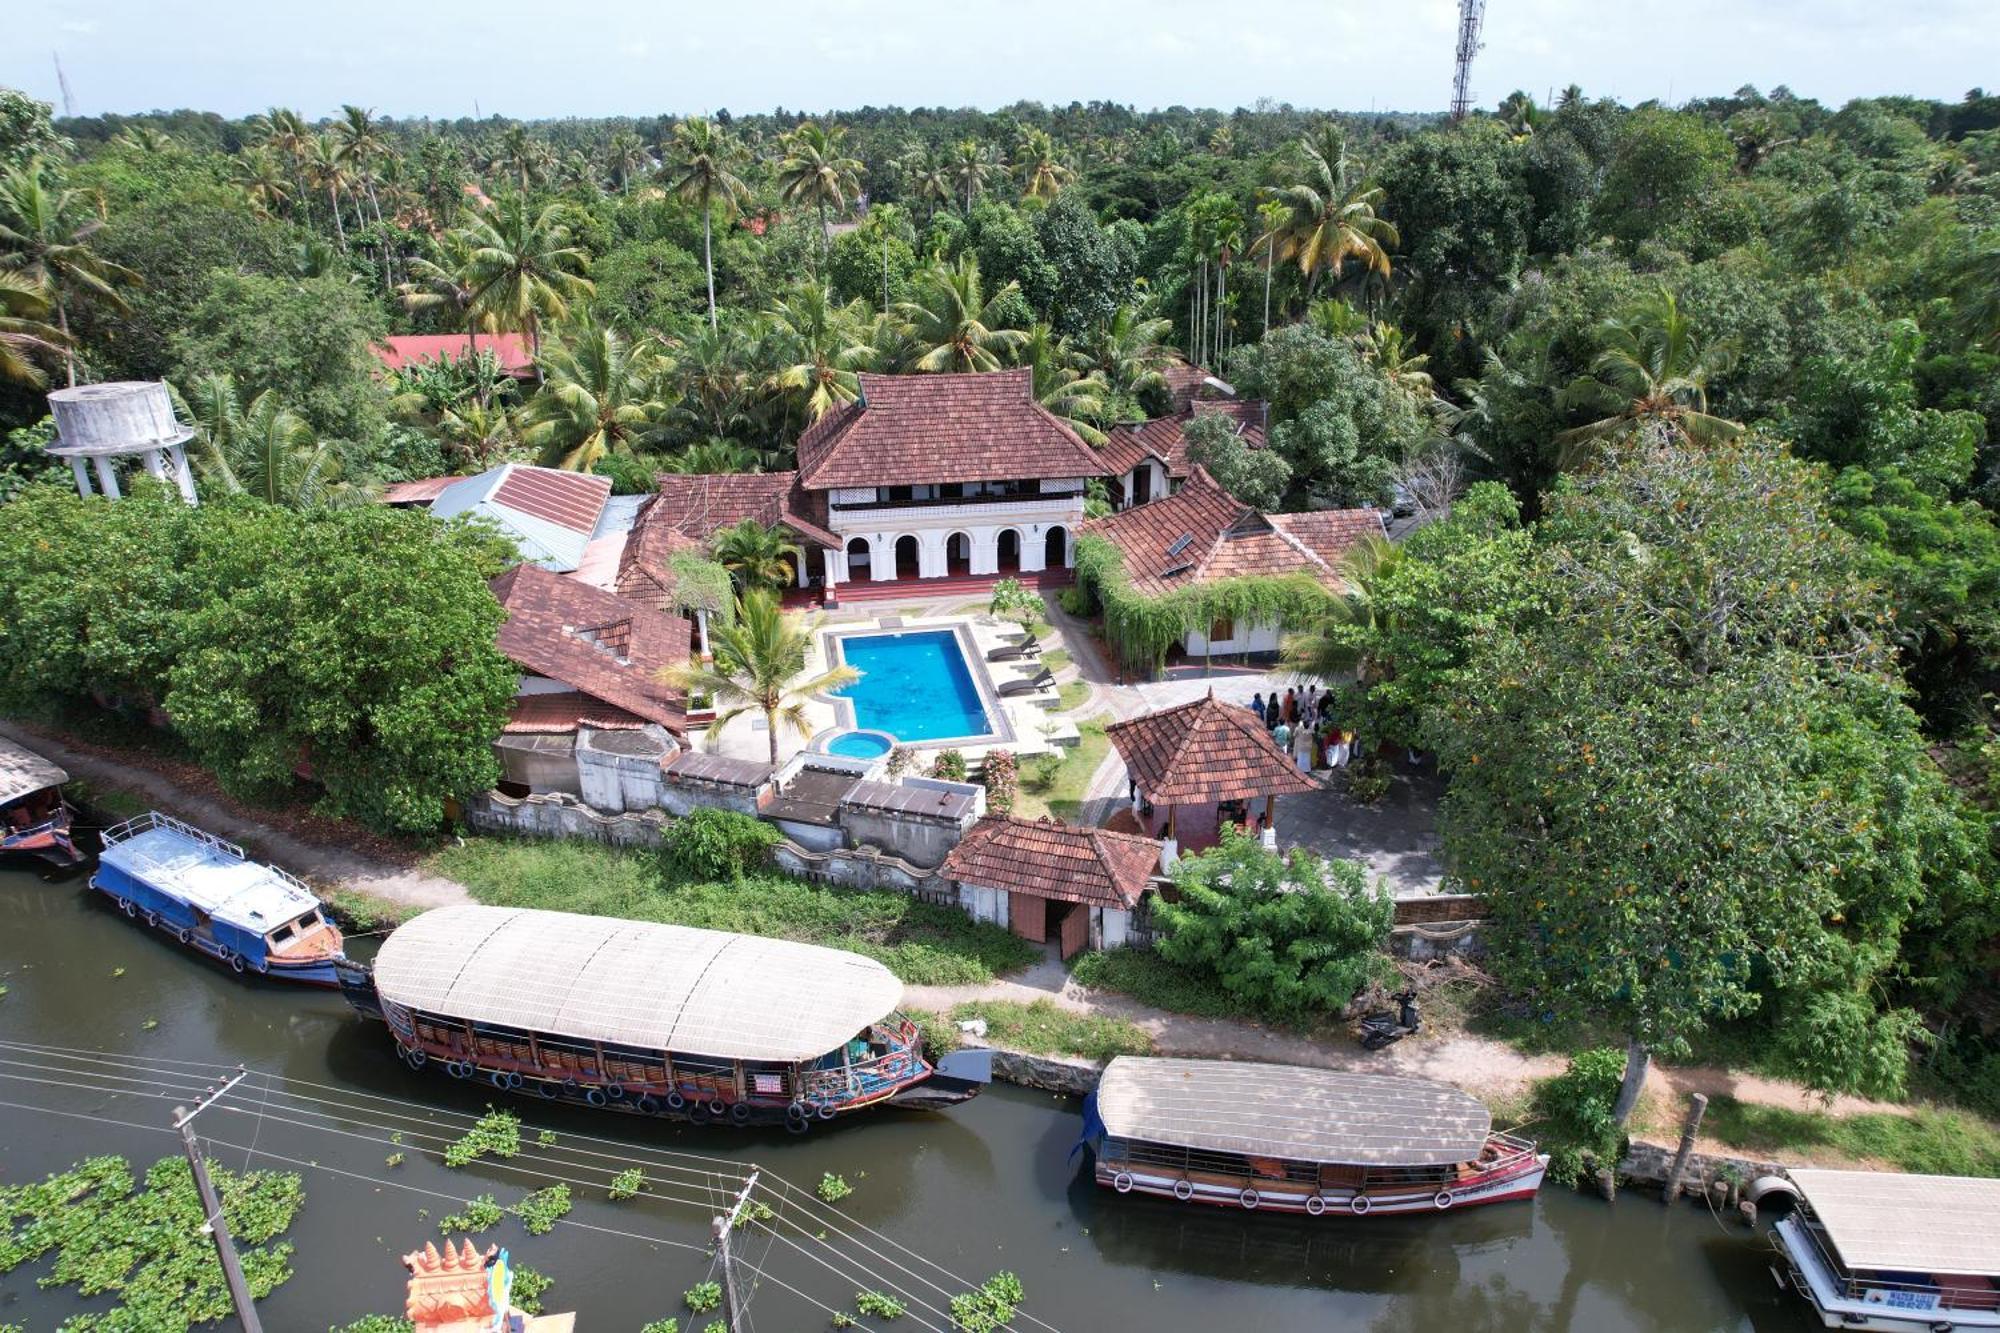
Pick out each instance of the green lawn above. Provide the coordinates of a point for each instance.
(1056, 659)
(1072, 694)
(1929, 1140)
(1045, 1028)
(1062, 796)
(922, 943)
(1151, 979)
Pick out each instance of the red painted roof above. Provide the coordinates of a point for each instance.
(913, 430)
(593, 641)
(420, 492)
(1045, 859)
(1202, 533)
(571, 500)
(405, 349)
(1205, 751)
(699, 505)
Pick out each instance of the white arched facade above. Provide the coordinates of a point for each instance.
(932, 559)
(865, 521)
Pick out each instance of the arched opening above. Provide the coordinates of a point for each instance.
(857, 558)
(1055, 549)
(1007, 546)
(907, 560)
(958, 554)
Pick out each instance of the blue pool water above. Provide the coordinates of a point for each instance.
(915, 686)
(859, 745)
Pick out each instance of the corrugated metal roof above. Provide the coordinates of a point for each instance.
(1301, 1115)
(550, 514)
(1886, 1222)
(659, 987)
(897, 798)
(212, 876)
(22, 772)
(720, 769)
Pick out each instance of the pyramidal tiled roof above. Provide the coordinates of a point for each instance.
(1205, 751)
(593, 641)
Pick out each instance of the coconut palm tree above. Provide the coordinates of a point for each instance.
(327, 171)
(757, 558)
(477, 434)
(45, 235)
(971, 165)
(952, 320)
(265, 450)
(924, 178)
(710, 457)
(448, 285)
(1337, 643)
(817, 171)
(759, 661)
(521, 267)
(25, 332)
(705, 175)
(1272, 213)
(625, 158)
(1650, 377)
(708, 379)
(286, 134)
(363, 148)
(817, 347)
(1042, 172)
(1129, 352)
(1386, 347)
(1067, 384)
(1333, 215)
(262, 178)
(597, 397)
(145, 139)
(521, 156)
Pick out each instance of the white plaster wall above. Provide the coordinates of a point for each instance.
(983, 904)
(1249, 639)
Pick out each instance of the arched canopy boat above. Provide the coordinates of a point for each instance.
(652, 1018)
(1288, 1139)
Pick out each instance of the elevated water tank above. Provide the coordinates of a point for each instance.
(104, 422)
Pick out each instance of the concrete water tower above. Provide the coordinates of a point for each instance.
(105, 422)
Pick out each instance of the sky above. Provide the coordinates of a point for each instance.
(450, 58)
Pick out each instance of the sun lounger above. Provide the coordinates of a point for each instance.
(1014, 652)
(1015, 688)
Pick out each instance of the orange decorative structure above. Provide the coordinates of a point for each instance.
(449, 1290)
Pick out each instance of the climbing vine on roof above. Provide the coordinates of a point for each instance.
(701, 585)
(1141, 629)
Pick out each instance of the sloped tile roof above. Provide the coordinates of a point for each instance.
(550, 515)
(509, 349)
(593, 641)
(1186, 383)
(699, 505)
(1204, 751)
(645, 566)
(913, 430)
(554, 714)
(1045, 859)
(420, 492)
(1202, 533)
(1165, 438)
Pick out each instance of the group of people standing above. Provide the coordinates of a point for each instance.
(1303, 724)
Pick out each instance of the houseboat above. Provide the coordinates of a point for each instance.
(212, 898)
(34, 818)
(659, 1020)
(1277, 1138)
(1878, 1250)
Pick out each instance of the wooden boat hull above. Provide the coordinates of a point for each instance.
(1515, 1180)
(48, 841)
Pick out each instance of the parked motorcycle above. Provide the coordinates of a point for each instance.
(1382, 1028)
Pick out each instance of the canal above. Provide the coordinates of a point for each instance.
(986, 1187)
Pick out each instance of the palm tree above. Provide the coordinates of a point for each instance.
(711, 457)
(362, 146)
(1129, 352)
(1333, 213)
(758, 661)
(818, 347)
(477, 433)
(265, 450)
(952, 320)
(757, 558)
(522, 156)
(328, 172)
(1272, 213)
(286, 133)
(24, 330)
(145, 139)
(45, 233)
(1225, 238)
(597, 397)
(816, 171)
(262, 179)
(1650, 378)
(449, 285)
(1042, 172)
(625, 157)
(925, 178)
(1385, 346)
(1518, 112)
(706, 176)
(970, 166)
(708, 379)
(1337, 643)
(1067, 384)
(521, 266)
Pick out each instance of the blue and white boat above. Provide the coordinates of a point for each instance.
(211, 897)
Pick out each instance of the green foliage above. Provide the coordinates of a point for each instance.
(1042, 1027)
(876, 1304)
(1662, 168)
(1574, 1114)
(990, 1307)
(832, 1188)
(529, 1288)
(1287, 935)
(377, 1323)
(540, 1210)
(661, 1326)
(949, 765)
(26, 130)
(648, 286)
(1002, 780)
(1257, 477)
(146, 1247)
(922, 943)
(703, 1296)
(711, 843)
(1927, 1140)
(498, 1134)
(627, 1183)
(1150, 979)
(1016, 601)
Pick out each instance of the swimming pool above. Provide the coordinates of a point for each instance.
(860, 745)
(917, 686)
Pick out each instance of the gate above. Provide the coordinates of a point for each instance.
(1075, 930)
(1027, 916)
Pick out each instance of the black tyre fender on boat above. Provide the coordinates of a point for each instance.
(415, 1057)
(1122, 1182)
(152, 919)
(696, 1115)
(1360, 1204)
(1183, 1190)
(827, 1111)
(595, 1097)
(183, 934)
(647, 1104)
(236, 963)
(130, 908)
(549, 1090)
(740, 1113)
(458, 1068)
(801, 1126)
(676, 1102)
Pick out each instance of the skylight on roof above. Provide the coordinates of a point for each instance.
(1181, 543)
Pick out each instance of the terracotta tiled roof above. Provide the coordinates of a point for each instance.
(1201, 533)
(417, 492)
(551, 515)
(1165, 438)
(912, 430)
(1045, 859)
(1187, 383)
(509, 349)
(645, 566)
(700, 505)
(1204, 751)
(555, 714)
(593, 641)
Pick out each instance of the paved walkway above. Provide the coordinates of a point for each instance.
(325, 868)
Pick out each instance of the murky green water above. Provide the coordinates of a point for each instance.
(985, 1187)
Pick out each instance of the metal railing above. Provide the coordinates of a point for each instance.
(153, 819)
(1847, 1286)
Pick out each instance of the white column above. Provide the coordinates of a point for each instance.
(82, 475)
(881, 570)
(107, 479)
(930, 555)
(154, 468)
(1033, 550)
(800, 552)
(183, 474)
(701, 625)
(985, 550)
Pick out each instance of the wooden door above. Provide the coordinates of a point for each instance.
(1075, 930)
(1027, 916)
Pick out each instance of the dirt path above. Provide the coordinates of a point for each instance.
(327, 868)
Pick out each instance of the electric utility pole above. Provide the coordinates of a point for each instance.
(211, 1207)
(732, 1306)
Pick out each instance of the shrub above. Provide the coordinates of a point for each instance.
(832, 1188)
(703, 1296)
(540, 1211)
(875, 1303)
(1574, 1109)
(949, 765)
(628, 1183)
(480, 1214)
(498, 1133)
(989, 1308)
(1002, 779)
(715, 844)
